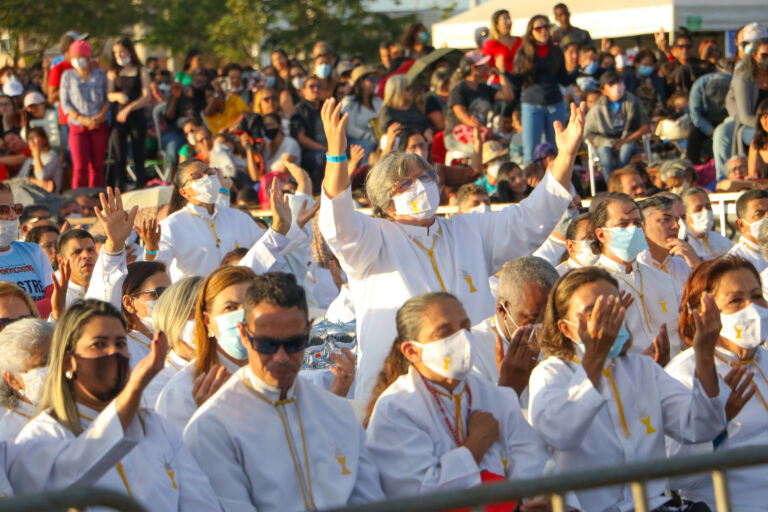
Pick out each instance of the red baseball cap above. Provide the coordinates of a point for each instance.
(80, 48)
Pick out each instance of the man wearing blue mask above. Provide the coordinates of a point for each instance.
(615, 124)
(652, 317)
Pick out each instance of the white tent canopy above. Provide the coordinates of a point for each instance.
(606, 18)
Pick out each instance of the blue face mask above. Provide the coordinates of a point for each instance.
(618, 344)
(644, 70)
(627, 243)
(590, 68)
(323, 70)
(270, 82)
(229, 335)
(748, 49)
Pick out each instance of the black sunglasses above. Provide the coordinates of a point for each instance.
(268, 346)
(5, 322)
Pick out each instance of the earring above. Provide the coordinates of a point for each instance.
(68, 374)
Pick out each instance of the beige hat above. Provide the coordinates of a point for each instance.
(361, 71)
(492, 150)
(33, 98)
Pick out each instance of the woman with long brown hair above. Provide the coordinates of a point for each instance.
(432, 423)
(90, 428)
(594, 404)
(501, 45)
(540, 68)
(733, 284)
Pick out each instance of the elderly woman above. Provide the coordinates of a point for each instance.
(24, 348)
(677, 176)
(91, 429)
(405, 250)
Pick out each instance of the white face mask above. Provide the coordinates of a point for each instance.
(297, 82)
(188, 333)
(481, 208)
(534, 332)
(419, 201)
(747, 327)
(147, 320)
(583, 253)
(682, 230)
(191, 139)
(449, 357)
(123, 61)
(754, 228)
(493, 168)
(80, 63)
(206, 189)
(702, 222)
(9, 232)
(34, 381)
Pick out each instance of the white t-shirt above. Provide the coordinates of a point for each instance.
(290, 147)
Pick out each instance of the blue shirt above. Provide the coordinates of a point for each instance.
(26, 265)
(84, 97)
(483, 182)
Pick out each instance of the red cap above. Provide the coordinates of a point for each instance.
(80, 49)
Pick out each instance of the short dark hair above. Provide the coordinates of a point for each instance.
(276, 289)
(600, 215)
(614, 180)
(35, 234)
(657, 201)
(745, 198)
(72, 234)
(29, 212)
(570, 231)
(234, 256)
(467, 190)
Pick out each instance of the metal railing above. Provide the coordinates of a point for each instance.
(78, 498)
(556, 486)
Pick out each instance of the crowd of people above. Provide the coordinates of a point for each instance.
(161, 351)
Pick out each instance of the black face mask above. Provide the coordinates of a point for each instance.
(103, 377)
(271, 133)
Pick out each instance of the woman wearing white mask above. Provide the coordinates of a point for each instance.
(579, 238)
(200, 232)
(741, 361)
(699, 221)
(24, 348)
(174, 314)
(91, 430)
(596, 405)
(405, 250)
(433, 425)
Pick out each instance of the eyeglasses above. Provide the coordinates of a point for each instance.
(209, 171)
(5, 322)
(268, 346)
(5, 209)
(541, 27)
(154, 294)
(427, 176)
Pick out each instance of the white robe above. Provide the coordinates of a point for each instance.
(5, 485)
(175, 402)
(417, 453)
(551, 250)
(75, 292)
(748, 428)
(13, 420)
(239, 436)
(709, 246)
(484, 350)
(764, 280)
(188, 245)
(386, 265)
(660, 303)
(583, 426)
(674, 266)
(750, 252)
(567, 265)
(147, 460)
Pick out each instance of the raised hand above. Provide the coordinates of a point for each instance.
(742, 389)
(515, 366)
(206, 384)
(117, 223)
(59, 297)
(707, 325)
(303, 181)
(335, 126)
(343, 368)
(281, 211)
(305, 214)
(568, 139)
(149, 231)
(599, 333)
(659, 349)
(627, 299)
(682, 248)
(356, 154)
(152, 364)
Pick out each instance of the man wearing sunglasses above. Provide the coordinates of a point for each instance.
(22, 263)
(269, 440)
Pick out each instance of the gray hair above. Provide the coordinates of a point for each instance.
(18, 342)
(526, 269)
(762, 239)
(388, 172)
(688, 193)
(174, 307)
(677, 168)
(733, 159)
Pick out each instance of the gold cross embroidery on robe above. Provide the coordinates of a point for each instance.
(663, 306)
(505, 462)
(415, 206)
(447, 362)
(468, 279)
(343, 461)
(172, 475)
(648, 428)
(738, 332)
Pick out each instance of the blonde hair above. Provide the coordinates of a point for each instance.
(9, 289)
(394, 92)
(260, 95)
(174, 307)
(58, 393)
(216, 282)
(493, 32)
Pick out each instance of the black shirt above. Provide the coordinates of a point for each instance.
(478, 103)
(307, 118)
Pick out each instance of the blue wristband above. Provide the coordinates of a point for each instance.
(336, 159)
(152, 253)
(223, 190)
